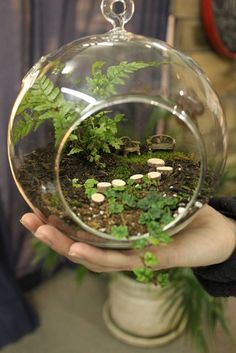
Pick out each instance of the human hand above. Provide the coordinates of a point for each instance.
(208, 240)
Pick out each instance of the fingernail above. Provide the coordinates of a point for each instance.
(43, 237)
(22, 221)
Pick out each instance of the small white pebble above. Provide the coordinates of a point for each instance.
(137, 178)
(175, 195)
(179, 169)
(98, 198)
(171, 187)
(89, 219)
(90, 208)
(102, 230)
(175, 215)
(165, 170)
(118, 183)
(156, 162)
(164, 195)
(101, 213)
(154, 175)
(94, 216)
(181, 210)
(182, 204)
(43, 188)
(198, 204)
(102, 187)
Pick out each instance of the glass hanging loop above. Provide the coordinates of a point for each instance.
(116, 18)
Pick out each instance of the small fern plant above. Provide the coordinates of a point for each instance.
(98, 134)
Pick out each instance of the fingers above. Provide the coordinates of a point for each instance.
(109, 260)
(209, 239)
(47, 234)
(54, 238)
(31, 222)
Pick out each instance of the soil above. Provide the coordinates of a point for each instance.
(37, 179)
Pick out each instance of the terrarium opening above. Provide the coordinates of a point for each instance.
(129, 164)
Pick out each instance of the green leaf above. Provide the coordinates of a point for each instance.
(154, 229)
(166, 219)
(144, 275)
(74, 150)
(129, 200)
(80, 273)
(163, 279)
(43, 101)
(73, 137)
(115, 207)
(22, 128)
(145, 218)
(90, 183)
(164, 238)
(140, 243)
(104, 84)
(75, 183)
(111, 194)
(153, 241)
(120, 232)
(150, 259)
(90, 191)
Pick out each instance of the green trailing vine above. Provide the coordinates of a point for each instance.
(156, 212)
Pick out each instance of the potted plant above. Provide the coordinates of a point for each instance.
(148, 315)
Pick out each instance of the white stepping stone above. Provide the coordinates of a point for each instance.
(156, 162)
(154, 175)
(102, 187)
(98, 198)
(118, 183)
(137, 178)
(181, 210)
(198, 204)
(165, 170)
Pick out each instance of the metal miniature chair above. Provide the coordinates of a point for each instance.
(130, 146)
(161, 142)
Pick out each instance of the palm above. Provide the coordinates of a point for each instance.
(208, 240)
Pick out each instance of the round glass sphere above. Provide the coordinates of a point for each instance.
(117, 137)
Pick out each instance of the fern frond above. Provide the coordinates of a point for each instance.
(196, 306)
(22, 128)
(104, 84)
(43, 102)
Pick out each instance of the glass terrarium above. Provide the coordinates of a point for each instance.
(117, 137)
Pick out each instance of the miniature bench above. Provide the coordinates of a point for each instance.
(161, 142)
(130, 146)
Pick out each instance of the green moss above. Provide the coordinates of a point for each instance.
(121, 172)
(143, 158)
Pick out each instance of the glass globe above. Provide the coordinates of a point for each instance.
(117, 137)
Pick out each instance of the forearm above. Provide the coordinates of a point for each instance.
(220, 279)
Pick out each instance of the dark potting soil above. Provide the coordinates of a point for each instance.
(36, 176)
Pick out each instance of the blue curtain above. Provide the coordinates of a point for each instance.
(30, 29)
